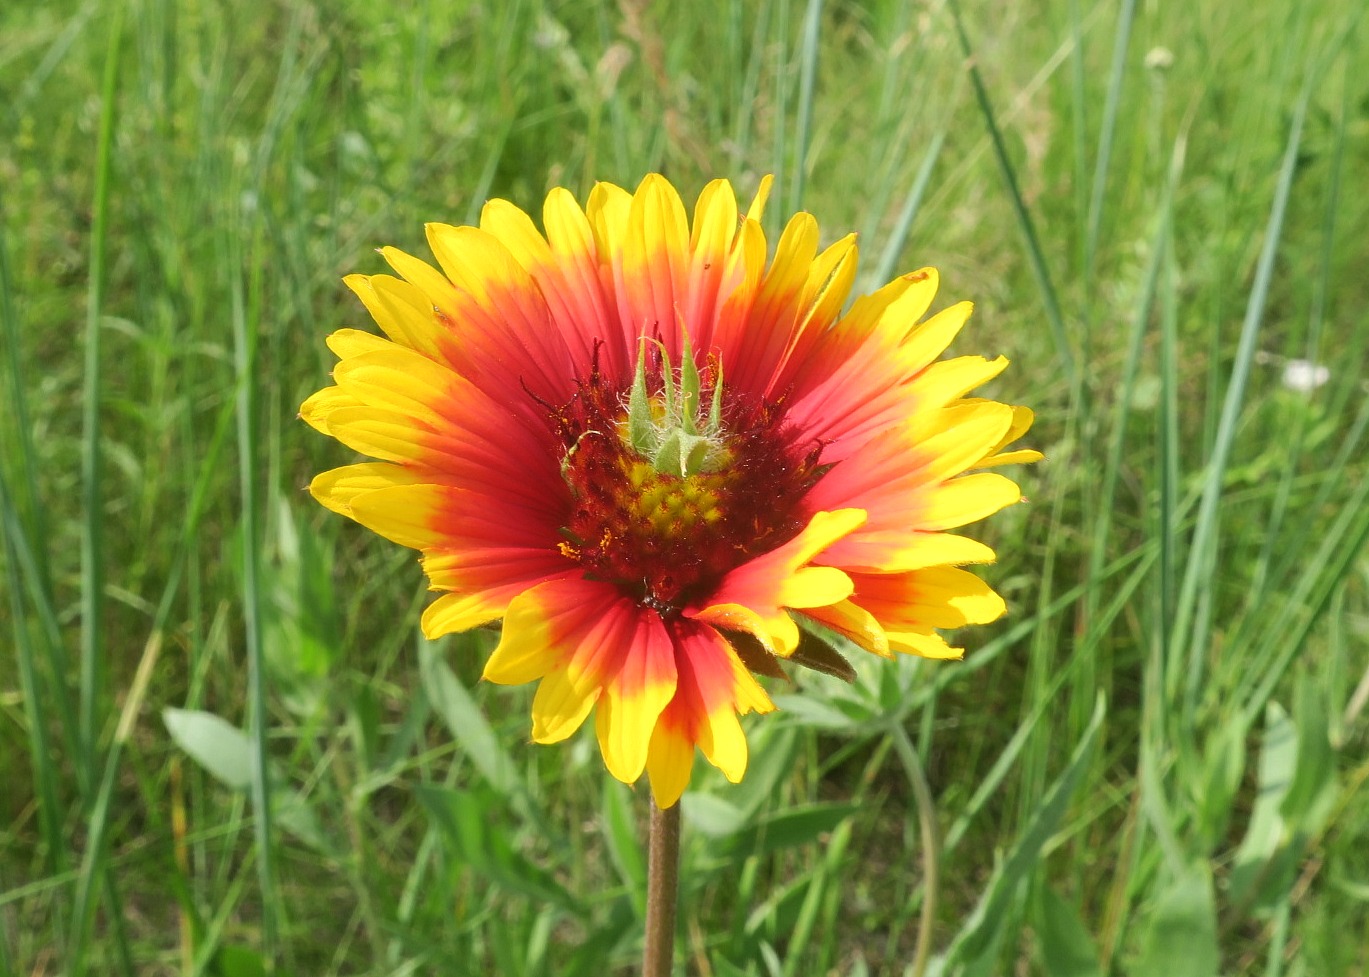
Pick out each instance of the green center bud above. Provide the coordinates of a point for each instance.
(670, 429)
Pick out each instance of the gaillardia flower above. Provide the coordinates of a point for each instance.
(656, 458)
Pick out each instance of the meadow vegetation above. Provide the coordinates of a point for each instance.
(226, 751)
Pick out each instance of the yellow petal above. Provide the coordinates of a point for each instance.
(560, 706)
(929, 340)
(318, 410)
(855, 623)
(354, 342)
(1022, 418)
(670, 761)
(724, 744)
(385, 434)
(830, 278)
(405, 514)
(402, 380)
(423, 276)
(945, 380)
(624, 723)
(527, 649)
(893, 309)
(607, 212)
(956, 438)
(715, 220)
(454, 613)
(928, 645)
(337, 489)
(757, 208)
(753, 597)
(568, 229)
(816, 587)
(967, 499)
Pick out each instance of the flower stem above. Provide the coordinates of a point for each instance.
(662, 890)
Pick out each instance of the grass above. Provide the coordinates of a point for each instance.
(226, 751)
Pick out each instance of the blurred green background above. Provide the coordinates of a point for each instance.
(224, 748)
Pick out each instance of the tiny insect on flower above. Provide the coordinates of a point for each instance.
(651, 450)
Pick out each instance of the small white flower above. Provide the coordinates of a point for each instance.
(1304, 376)
(1159, 58)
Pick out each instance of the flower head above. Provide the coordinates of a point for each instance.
(653, 454)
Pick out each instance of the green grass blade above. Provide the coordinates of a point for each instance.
(244, 362)
(1317, 317)
(92, 494)
(28, 505)
(1105, 138)
(20, 532)
(781, 99)
(95, 870)
(1208, 521)
(1035, 253)
(803, 128)
(912, 205)
(1114, 466)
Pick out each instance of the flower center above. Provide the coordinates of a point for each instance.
(667, 495)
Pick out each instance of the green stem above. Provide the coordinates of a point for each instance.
(931, 848)
(662, 890)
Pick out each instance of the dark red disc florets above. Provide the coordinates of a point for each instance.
(663, 539)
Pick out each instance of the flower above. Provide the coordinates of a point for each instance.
(1304, 376)
(654, 457)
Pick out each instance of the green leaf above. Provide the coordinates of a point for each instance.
(1223, 766)
(237, 961)
(1181, 940)
(726, 968)
(1067, 948)
(710, 815)
(474, 824)
(1307, 803)
(218, 746)
(715, 407)
(620, 834)
(791, 828)
(465, 721)
(641, 429)
(985, 926)
(817, 714)
(225, 753)
(1278, 757)
(681, 453)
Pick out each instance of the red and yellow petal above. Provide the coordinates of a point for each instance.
(755, 597)
(565, 268)
(937, 597)
(590, 647)
(633, 700)
(712, 689)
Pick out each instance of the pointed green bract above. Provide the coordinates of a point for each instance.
(689, 388)
(640, 428)
(666, 428)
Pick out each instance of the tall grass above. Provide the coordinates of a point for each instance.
(227, 752)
